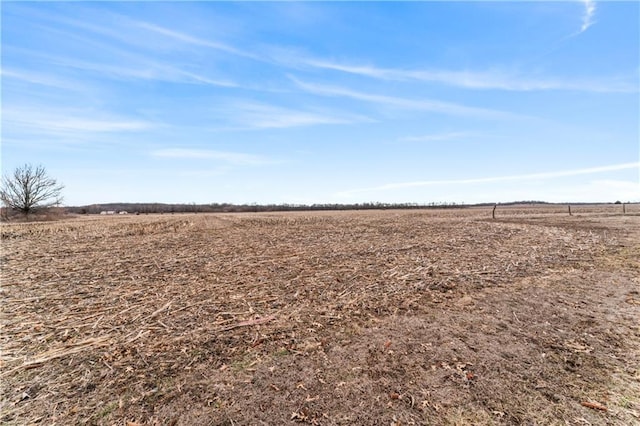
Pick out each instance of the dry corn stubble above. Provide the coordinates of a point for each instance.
(249, 318)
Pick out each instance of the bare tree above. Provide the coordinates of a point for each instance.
(29, 189)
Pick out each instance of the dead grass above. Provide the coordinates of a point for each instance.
(395, 317)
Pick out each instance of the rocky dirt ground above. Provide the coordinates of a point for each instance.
(381, 317)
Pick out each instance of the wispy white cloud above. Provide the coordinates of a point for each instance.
(261, 116)
(200, 174)
(126, 30)
(88, 22)
(141, 69)
(589, 12)
(196, 41)
(235, 158)
(403, 103)
(94, 125)
(37, 78)
(120, 54)
(495, 179)
(479, 80)
(63, 128)
(438, 137)
(67, 121)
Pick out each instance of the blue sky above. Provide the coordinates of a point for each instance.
(309, 102)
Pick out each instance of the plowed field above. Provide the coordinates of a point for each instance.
(377, 317)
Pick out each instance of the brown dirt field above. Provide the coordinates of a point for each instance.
(441, 317)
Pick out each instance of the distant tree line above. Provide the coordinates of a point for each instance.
(163, 208)
(146, 208)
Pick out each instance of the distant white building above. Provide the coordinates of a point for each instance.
(123, 212)
(108, 212)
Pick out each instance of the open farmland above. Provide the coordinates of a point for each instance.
(379, 317)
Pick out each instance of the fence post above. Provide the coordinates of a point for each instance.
(570, 210)
(493, 212)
